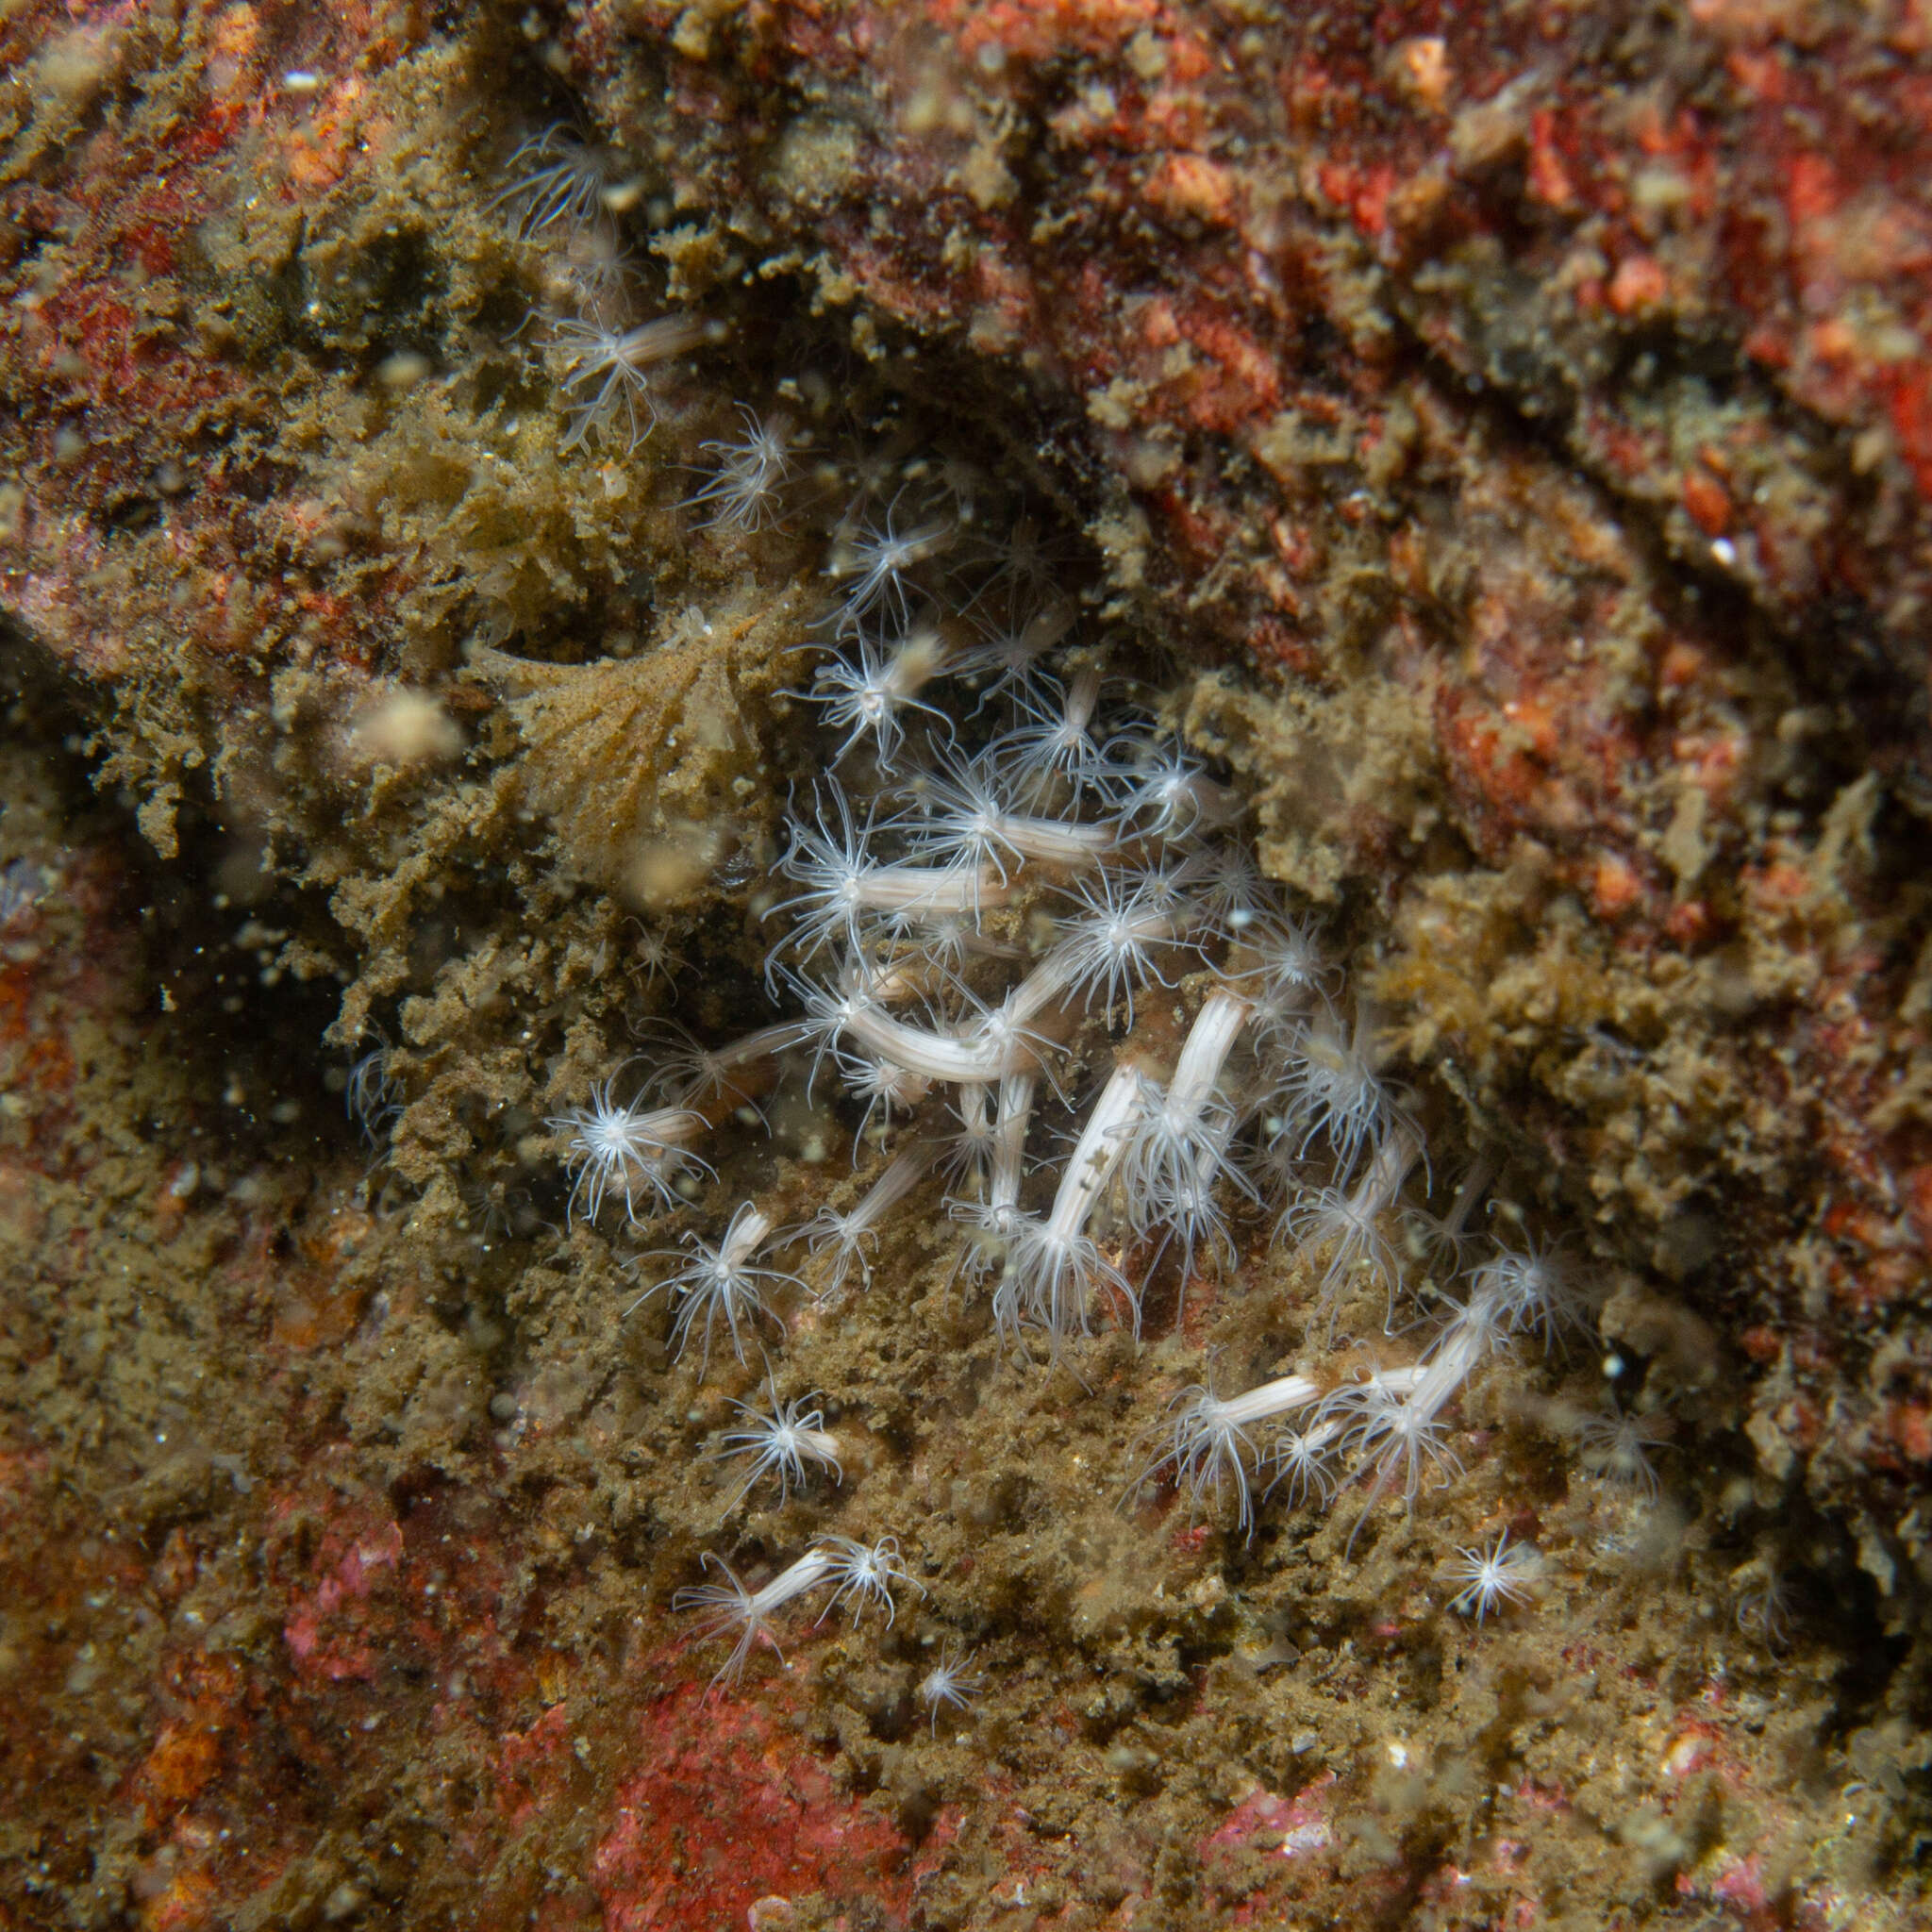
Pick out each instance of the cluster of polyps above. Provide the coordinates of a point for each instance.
(861, 1574)
(958, 949)
(1005, 894)
(566, 197)
(1017, 915)
(1390, 1423)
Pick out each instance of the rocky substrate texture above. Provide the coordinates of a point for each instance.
(1501, 440)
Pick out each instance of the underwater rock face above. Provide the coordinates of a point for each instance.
(1500, 442)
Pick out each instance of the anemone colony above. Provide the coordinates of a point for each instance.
(1023, 941)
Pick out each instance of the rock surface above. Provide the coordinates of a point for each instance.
(1506, 437)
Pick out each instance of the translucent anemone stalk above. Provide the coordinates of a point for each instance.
(972, 822)
(728, 1606)
(1061, 747)
(1211, 1447)
(1056, 842)
(969, 1154)
(711, 1081)
(1097, 1152)
(1394, 1420)
(1175, 1156)
(606, 370)
(1349, 1224)
(1214, 1035)
(1474, 1332)
(854, 1014)
(1017, 1095)
(977, 1057)
(846, 1236)
(933, 892)
(1213, 1443)
(1053, 1266)
(843, 883)
(629, 1148)
(720, 1283)
(996, 1220)
(780, 1440)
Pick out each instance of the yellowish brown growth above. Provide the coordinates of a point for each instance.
(634, 759)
